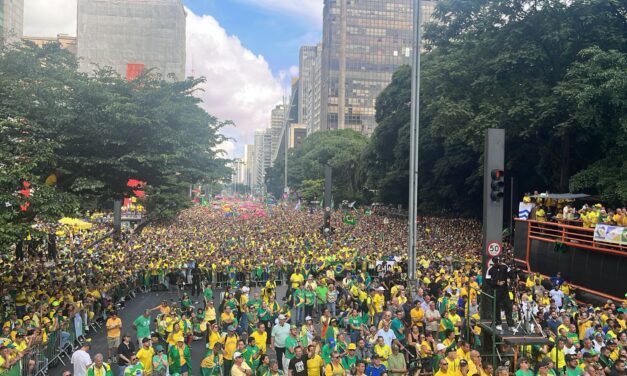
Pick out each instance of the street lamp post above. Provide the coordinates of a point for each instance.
(414, 143)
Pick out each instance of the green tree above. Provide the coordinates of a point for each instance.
(340, 149)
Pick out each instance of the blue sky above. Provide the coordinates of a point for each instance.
(270, 28)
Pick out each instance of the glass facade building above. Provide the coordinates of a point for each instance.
(364, 42)
(11, 20)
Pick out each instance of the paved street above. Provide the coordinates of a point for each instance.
(133, 309)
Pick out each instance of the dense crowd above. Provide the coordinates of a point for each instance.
(347, 309)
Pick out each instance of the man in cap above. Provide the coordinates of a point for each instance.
(179, 358)
(498, 276)
(240, 368)
(291, 343)
(230, 347)
(375, 368)
(125, 353)
(159, 362)
(350, 359)
(279, 335)
(81, 359)
(145, 354)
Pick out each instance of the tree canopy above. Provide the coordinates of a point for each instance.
(550, 73)
(339, 149)
(95, 132)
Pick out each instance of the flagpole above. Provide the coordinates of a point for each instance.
(414, 143)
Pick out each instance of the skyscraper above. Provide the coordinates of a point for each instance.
(132, 35)
(312, 95)
(277, 120)
(364, 42)
(249, 154)
(306, 61)
(11, 20)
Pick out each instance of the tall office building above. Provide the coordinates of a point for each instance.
(364, 42)
(306, 61)
(132, 35)
(11, 20)
(249, 154)
(277, 121)
(312, 94)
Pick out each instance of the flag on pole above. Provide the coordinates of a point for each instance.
(297, 207)
(368, 211)
(352, 205)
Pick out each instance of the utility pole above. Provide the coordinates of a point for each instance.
(414, 143)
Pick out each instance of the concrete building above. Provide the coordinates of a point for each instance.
(364, 42)
(249, 154)
(312, 96)
(65, 41)
(277, 120)
(11, 20)
(262, 156)
(132, 35)
(306, 61)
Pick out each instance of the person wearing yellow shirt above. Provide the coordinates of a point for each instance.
(378, 302)
(383, 350)
(114, 326)
(417, 315)
(261, 337)
(296, 279)
(229, 341)
(463, 352)
(145, 355)
(444, 369)
(227, 318)
(213, 335)
(210, 312)
(557, 352)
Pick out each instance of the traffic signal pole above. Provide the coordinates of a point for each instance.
(493, 184)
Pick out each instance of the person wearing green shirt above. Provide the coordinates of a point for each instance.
(310, 300)
(350, 359)
(354, 325)
(321, 297)
(142, 325)
(327, 350)
(572, 366)
(291, 342)
(398, 327)
(523, 369)
(299, 304)
(252, 353)
(207, 293)
(264, 366)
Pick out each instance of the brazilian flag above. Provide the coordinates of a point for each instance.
(349, 219)
(368, 211)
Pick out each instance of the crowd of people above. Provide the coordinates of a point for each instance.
(347, 309)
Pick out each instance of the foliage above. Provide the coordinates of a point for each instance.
(339, 149)
(516, 65)
(96, 132)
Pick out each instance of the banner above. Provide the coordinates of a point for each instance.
(610, 234)
(524, 209)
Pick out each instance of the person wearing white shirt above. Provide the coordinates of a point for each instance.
(81, 360)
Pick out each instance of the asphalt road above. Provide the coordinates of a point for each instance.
(128, 314)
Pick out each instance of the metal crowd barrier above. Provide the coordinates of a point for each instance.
(71, 334)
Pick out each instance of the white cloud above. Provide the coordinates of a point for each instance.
(309, 10)
(240, 85)
(47, 18)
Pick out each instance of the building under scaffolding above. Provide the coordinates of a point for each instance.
(132, 35)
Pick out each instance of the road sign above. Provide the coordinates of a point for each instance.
(494, 249)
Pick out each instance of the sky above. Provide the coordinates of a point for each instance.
(247, 50)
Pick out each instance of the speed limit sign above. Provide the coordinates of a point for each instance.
(494, 249)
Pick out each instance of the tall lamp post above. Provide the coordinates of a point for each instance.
(414, 143)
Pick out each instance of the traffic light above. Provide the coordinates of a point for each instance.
(497, 185)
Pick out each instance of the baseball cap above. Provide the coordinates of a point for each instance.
(237, 355)
(352, 346)
(463, 363)
(308, 318)
(380, 288)
(146, 339)
(281, 317)
(440, 347)
(230, 328)
(570, 357)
